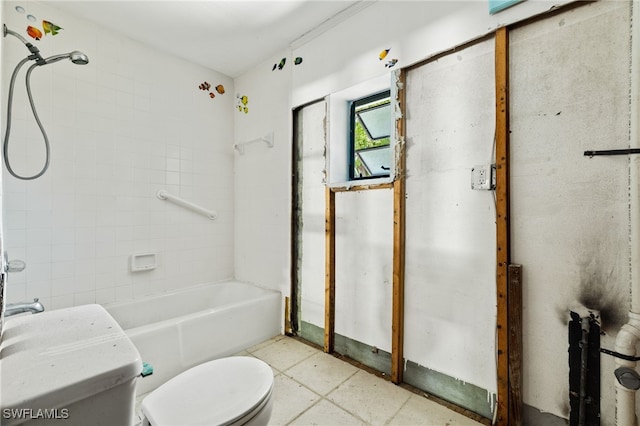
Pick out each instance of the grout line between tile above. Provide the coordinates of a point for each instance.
(409, 389)
(397, 411)
(332, 403)
(329, 391)
(305, 410)
(299, 362)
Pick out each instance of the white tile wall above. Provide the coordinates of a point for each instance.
(129, 123)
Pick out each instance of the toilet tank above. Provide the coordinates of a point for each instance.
(73, 366)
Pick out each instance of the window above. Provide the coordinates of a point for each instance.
(370, 130)
(373, 99)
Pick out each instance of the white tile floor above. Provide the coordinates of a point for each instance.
(314, 388)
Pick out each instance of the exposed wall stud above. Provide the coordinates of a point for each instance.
(399, 202)
(515, 344)
(502, 223)
(330, 271)
(361, 187)
(287, 317)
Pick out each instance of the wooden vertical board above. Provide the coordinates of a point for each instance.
(502, 222)
(397, 326)
(330, 271)
(399, 202)
(287, 316)
(514, 294)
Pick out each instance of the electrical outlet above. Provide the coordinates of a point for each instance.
(483, 177)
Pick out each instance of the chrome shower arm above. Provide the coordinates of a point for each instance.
(15, 34)
(35, 52)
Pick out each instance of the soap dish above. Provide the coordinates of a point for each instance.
(143, 262)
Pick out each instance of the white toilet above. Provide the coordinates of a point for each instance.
(226, 391)
(78, 366)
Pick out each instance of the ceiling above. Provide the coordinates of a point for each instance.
(229, 36)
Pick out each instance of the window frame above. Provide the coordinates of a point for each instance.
(381, 95)
(336, 169)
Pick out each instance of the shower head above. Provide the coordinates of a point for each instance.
(75, 57)
(78, 58)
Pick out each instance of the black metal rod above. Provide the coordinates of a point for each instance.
(619, 355)
(626, 151)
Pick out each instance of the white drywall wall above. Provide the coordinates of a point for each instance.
(450, 273)
(552, 71)
(569, 213)
(347, 54)
(364, 246)
(312, 264)
(364, 266)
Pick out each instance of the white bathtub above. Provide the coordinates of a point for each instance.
(176, 331)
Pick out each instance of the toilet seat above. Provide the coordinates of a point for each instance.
(225, 391)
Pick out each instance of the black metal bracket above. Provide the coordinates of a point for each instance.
(626, 151)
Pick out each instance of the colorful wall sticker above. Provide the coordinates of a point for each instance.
(279, 65)
(34, 33)
(50, 28)
(206, 86)
(390, 63)
(242, 102)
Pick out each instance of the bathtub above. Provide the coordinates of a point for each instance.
(176, 331)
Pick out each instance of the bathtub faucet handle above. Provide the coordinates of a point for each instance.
(15, 265)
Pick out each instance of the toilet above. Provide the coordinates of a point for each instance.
(44, 375)
(226, 391)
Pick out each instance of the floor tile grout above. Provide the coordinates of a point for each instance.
(328, 392)
(322, 398)
(327, 396)
(300, 414)
(390, 419)
(291, 406)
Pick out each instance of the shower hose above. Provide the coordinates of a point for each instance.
(5, 146)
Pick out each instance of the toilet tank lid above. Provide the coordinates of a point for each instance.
(58, 357)
(216, 392)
